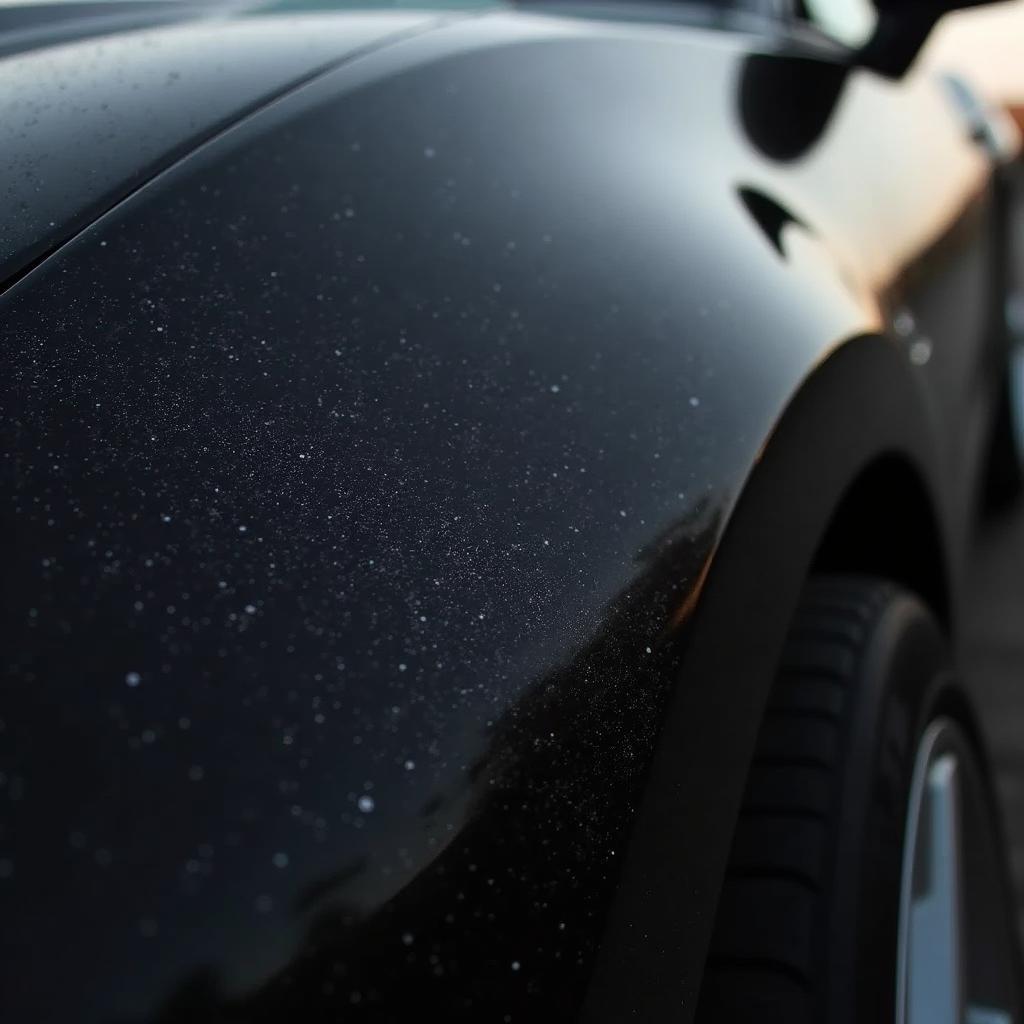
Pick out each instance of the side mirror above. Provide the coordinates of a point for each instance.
(901, 28)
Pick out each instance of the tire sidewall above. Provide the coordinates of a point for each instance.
(906, 682)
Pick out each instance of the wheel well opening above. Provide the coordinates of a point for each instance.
(885, 525)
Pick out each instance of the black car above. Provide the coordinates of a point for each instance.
(485, 493)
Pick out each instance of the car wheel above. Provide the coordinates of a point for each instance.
(865, 880)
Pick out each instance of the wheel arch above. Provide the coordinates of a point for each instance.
(849, 479)
(886, 525)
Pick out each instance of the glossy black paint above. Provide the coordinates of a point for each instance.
(25, 27)
(362, 474)
(132, 104)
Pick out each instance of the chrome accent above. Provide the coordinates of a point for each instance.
(947, 828)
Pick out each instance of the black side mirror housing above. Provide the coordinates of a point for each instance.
(901, 30)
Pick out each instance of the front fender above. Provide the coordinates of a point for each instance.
(365, 470)
(862, 405)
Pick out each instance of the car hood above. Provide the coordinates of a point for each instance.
(86, 122)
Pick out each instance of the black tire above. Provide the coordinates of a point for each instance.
(806, 929)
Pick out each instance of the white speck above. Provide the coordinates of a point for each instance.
(516, 965)
(242, 529)
(280, 860)
(555, 389)
(409, 765)
(250, 609)
(921, 352)
(407, 938)
(622, 512)
(349, 212)
(647, 649)
(694, 401)
(166, 519)
(904, 324)
(366, 804)
(402, 666)
(430, 152)
(132, 678)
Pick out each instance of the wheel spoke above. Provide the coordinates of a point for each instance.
(953, 963)
(934, 965)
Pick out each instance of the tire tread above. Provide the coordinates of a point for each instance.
(764, 961)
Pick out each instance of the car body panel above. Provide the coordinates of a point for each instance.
(664, 908)
(84, 123)
(365, 469)
(37, 24)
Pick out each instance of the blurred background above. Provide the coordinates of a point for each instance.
(986, 46)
